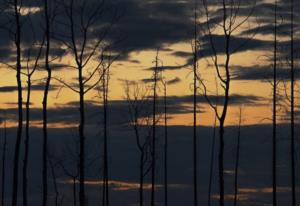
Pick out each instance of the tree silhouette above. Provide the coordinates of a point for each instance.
(31, 69)
(138, 103)
(274, 138)
(85, 44)
(292, 102)
(229, 13)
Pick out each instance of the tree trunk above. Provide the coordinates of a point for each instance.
(45, 104)
(105, 200)
(82, 140)
(166, 147)
(195, 159)
(153, 168)
(237, 161)
(20, 106)
(293, 160)
(26, 144)
(212, 157)
(274, 140)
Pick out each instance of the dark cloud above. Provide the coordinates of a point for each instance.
(174, 81)
(38, 87)
(119, 109)
(258, 72)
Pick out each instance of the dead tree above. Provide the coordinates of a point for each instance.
(274, 138)
(154, 124)
(212, 154)
(85, 44)
(195, 90)
(138, 103)
(237, 159)
(230, 22)
(292, 102)
(3, 161)
(105, 84)
(31, 68)
(166, 142)
(16, 5)
(45, 103)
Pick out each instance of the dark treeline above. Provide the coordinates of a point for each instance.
(42, 33)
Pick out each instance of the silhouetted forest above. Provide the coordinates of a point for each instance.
(153, 102)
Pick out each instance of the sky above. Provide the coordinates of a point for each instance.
(138, 31)
(141, 28)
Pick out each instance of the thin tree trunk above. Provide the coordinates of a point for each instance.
(20, 106)
(105, 200)
(237, 162)
(166, 147)
(82, 140)
(26, 145)
(212, 157)
(221, 163)
(293, 169)
(153, 168)
(274, 140)
(45, 105)
(195, 159)
(3, 164)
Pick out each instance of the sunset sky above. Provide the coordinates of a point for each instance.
(136, 35)
(168, 26)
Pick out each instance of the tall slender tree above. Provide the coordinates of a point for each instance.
(16, 5)
(105, 84)
(195, 67)
(292, 102)
(45, 104)
(274, 138)
(138, 100)
(30, 72)
(154, 122)
(86, 43)
(230, 11)
(166, 143)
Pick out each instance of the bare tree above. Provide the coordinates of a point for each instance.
(274, 139)
(31, 68)
(85, 44)
(166, 142)
(229, 24)
(292, 102)
(17, 6)
(105, 87)
(154, 123)
(45, 103)
(137, 99)
(195, 90)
